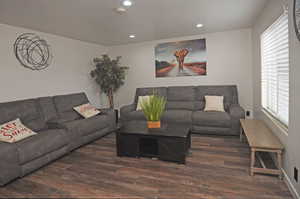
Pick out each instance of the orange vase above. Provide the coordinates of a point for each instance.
(153, 124)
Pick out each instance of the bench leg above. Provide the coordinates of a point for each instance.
(241, 131)
(279, 164)
(241, 135)
(252, 161)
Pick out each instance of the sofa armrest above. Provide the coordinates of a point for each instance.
(9, 163)
(111, 114)
(127, 109)
(236, 111)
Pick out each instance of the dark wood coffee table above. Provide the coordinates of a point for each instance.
(170, 143)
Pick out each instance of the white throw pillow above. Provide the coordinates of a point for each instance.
(14, 131)
(214, 103)
(140, 100)
(87, 110)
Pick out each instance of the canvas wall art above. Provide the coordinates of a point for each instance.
(182, 58)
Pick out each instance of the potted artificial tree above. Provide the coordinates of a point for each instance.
(109, 75)
(153, 109)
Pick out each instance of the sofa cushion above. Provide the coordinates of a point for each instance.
(213, 119)
(44, 142)
(86, 110)
(135, 115)
(185, 105)
(199, 105)
(178, 116)
(70, 115)
(229, 93)
(47, 108)
(181, 98)
(87, 126)
(64, 105)
(141, 100)
(181, 93)
(14, 131)
(214, 103)
(161, 91)
(28, 111)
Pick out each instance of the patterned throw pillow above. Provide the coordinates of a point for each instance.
(87, 110)
(14, 131)
(214, 103)
(140, 100)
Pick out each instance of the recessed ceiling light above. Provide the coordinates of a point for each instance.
(120, 10)
(131, 36)
(199, 25)
(127, 3)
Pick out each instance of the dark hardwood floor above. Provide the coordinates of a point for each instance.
(216, 169)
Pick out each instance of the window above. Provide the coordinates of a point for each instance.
(275, 69)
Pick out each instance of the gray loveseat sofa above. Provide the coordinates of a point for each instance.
(59, 130)
(186, 104)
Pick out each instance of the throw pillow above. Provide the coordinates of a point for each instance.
(14, 131)
(214, 103)
(140, 100)
(87, 110)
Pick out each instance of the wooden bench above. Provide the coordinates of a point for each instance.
(261, 139)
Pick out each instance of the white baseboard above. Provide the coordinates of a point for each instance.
(291, 187)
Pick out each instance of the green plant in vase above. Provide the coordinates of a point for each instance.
(153, 109)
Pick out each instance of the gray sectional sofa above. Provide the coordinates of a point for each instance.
(59, 130)
(186, 104)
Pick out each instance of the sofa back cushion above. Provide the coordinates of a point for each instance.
(191, 97)
(182, 97)
(229, 92)
(64, 105)
(161, 91)
(28, 111)
(47, 108)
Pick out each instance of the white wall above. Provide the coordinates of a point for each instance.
(68, 73)
(290, 139)
(293, 147)
(229, 57)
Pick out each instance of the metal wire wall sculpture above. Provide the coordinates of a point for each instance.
(32, 51)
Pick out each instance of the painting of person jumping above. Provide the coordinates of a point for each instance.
(184, 58)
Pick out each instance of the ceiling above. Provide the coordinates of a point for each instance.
(95, 21)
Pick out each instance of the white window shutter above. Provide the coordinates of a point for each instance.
(275, 69)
